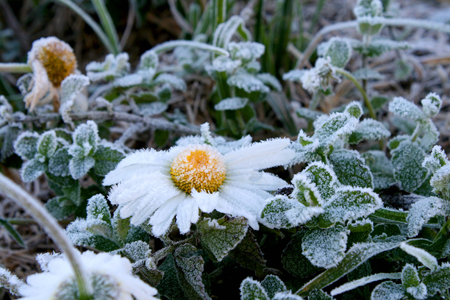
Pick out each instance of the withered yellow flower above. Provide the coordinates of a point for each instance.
(51, 60)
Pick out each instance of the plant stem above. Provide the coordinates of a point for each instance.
(360, 88)
(202, 46)
(11, 190)
(107, 24)
(97, 29)
(15, 68)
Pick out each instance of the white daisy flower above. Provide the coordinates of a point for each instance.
(190, 177)
(51, 60)
(110, 277)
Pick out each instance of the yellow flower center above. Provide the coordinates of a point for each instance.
(200, 167)
(58, 61)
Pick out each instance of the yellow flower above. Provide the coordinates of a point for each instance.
(51, 60)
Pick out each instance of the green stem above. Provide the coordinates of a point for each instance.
(221, 11)
(15, 68)
(11, 190)
(97, 29)
(360, 88)
(315, 18)
(107, 24)
(416, 132)
(201, 46)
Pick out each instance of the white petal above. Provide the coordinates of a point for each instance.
(141, 161)
(261, 155)
(138, 288)
(261, 180)
(162, 218)
(187, 212)
(206, 202)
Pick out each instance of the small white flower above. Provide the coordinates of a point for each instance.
(320, 76)
(188, 178)
(311, 81)
(110, 277)
(51, 60)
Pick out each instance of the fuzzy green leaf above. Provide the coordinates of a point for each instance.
(351, 169)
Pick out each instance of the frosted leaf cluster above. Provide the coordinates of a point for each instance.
(271, 288)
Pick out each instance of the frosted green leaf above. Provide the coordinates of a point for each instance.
(323, 177)
(287, 295)
(371, 8)
(225, 31)
(25, 83)
(97, 208)
(252, 290)
(378, 46)
(337, 125)
(47, 143)
(441, 182)
(351, 203)
(272, 285)
(438, 280)
(294, 261)
(354, 109)
(223, 235)
(234, 103)
(169, 286)
(418, 292)
(325, 248)
(246, 51)
(10, 281)
(176, 82)
(368, 74)
(410, 276)
(71, 87)
(360, 231)
(430, 135)
(248, 254)
(423, 256)
(58, 163)
(190, 272)
(225, 64)
(369, 129)
(436, 160)
(363, 281)
(294, 75)
(283, 212)
(421, 212)
(13, 233)
(120, 226)
(368, 25)
(148, 63)
(60, 207)
(388, 290)
(339, 50)
(113, 66)
(137, 250)
(79, 166)
(32, 169)
(351, 169)
(319, 295)
(397, 140)
(431, 105)
(270, 81)
(248, 83)
(86, 136)
(305, 191)
(406, 109)
(81, 233)
(153, 109)
(128, 81)
(354, 257)
(407, 161)
(106, 159)
(26, 145)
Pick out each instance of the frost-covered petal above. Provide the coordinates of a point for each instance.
(261, 155)
(163, 217)
(187, 213)
(205, 201)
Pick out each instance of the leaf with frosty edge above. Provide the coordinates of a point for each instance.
(248, 254)
(421, 212)
(381, 168)
(438, 280)
(32, 169)
(234, 103)
(294, 261)
(305, 191)
(323, 177)
(252, 290)
(273, 284)
(223, 235)
(407, 109)
(97, 208)
(351, 203)
(339, 50)
(47, 143)
(388, 290)
(86, 137)
(351, 169)
(106, 159)
(410, 276)
(369, 129)
(407, 161)
(26, 145)
(325, 248)
(79, 166)
(58, 163)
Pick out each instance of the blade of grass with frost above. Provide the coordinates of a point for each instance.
(97, 29)
(107, 23)
(43, 217)
(167, 46)
(363, 281)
